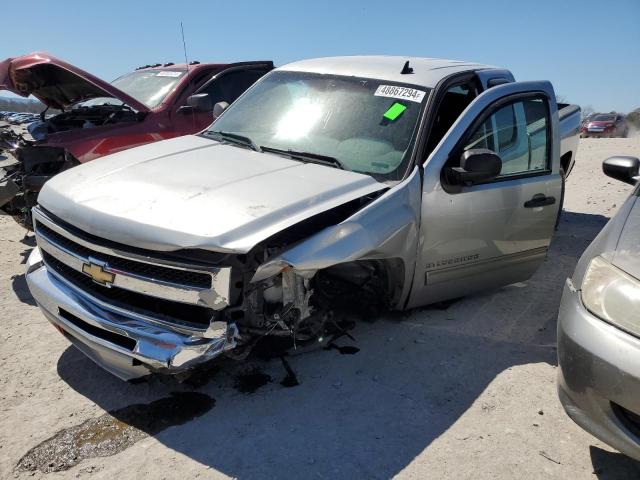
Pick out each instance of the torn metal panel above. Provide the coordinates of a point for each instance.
(385, 229)
(8, 188)
(295, 292)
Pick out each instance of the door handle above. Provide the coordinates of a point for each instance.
(539, 200)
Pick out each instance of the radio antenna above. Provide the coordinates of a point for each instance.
(184, 47)
(186, 61)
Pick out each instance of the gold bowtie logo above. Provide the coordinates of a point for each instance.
(98, 274)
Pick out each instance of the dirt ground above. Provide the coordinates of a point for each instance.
(464, 391)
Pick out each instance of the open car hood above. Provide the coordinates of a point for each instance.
(56, 83)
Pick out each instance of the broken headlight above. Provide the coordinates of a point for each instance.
(612, 295)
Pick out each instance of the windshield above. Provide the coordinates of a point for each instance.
(603, 118)
(367, 125)
(147, 86)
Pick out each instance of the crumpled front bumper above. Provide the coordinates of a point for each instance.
(128, 347)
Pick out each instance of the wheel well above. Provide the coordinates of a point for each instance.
(377, 281)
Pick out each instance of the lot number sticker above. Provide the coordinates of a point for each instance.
(402, 93)
(168, 73)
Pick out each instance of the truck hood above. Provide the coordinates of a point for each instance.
(56, 83)
(193, 192)
(627, 254)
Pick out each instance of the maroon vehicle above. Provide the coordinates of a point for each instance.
(604, 125)
(96, 118)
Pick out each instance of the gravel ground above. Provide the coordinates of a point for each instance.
(466, 391)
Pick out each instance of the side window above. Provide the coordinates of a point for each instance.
(518, 133)
(505, 118)
(453, 103)
(231, 85)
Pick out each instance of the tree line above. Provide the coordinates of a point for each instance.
(9, 104)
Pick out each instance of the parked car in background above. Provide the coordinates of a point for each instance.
(388, 181)
(608, 125)
(152, 103)
(19, 118)
(599, 326)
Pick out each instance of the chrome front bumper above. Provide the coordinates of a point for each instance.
(598, 376)
(126, 346)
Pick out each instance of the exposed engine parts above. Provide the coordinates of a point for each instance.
(34, 163)
(83, 117)
(27, 168)
(301, 305)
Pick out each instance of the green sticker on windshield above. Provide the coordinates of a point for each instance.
(394, 111)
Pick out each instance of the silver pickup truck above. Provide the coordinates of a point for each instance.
(390, 181)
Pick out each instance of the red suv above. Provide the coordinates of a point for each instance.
(604, 125)
(96, 118)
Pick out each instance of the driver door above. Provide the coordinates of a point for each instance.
(485, 235)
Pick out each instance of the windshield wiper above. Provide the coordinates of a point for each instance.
(235, 138)
(308, 156)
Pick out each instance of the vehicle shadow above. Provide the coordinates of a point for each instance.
(19, 282)
(368, 414)
(612, 465)
(21, 290)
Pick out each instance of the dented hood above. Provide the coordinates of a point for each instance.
(56, 83)
(192, 192)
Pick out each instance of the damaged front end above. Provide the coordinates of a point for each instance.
(27, 167)
(9, 188)
(136, 311)
(359, 260)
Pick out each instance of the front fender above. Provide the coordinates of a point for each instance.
(387, 228)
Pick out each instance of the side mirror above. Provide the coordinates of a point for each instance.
(625, 169)
(477, 165)
(218, 108)
(200, 102)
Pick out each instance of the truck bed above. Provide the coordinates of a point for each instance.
(569, 117)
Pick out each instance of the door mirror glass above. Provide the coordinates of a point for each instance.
(218, 108)
(200, 102)
(477, 165)
(625, 169)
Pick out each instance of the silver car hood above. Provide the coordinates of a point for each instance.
(192, 192)
(627, 254)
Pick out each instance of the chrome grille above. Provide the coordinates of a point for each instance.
(183, 277)
(181, 314)
(178, 294)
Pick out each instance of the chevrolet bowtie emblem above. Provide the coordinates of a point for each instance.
(98, 273)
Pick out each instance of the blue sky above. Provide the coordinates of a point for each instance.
(590, 50)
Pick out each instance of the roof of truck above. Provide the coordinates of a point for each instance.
(427, 72)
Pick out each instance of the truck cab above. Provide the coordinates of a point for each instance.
(390, 182)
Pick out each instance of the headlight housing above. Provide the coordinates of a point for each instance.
(612, 295)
